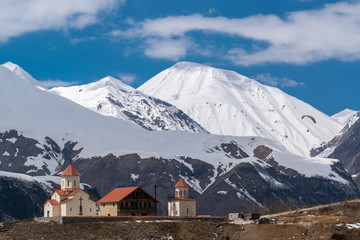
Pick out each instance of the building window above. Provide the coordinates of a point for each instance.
(70, 209)
(68, 183)
(103, 204)
(180, 193)
(140, 204)
(90, 209)
(74, 183)
(149, 204)
(113, 204)
(121, 204)
(187, 211)
(62, 183)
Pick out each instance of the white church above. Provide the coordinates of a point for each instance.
(70, 200)
(182, 205)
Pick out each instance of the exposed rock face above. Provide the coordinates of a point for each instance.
(111, 97)
(250, 181)
(22, 154)
(345, 146)
(21, 199)
(259, 185)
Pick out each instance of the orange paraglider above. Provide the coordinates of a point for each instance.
(308, 116)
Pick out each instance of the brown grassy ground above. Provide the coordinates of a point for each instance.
(321, 222)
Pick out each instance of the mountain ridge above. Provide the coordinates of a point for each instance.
(227, 103)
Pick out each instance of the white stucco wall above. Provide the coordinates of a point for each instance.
(54, 210)
(182, 208)
(70, 183)
(72, 208)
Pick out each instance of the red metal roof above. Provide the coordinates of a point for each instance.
(60, 192)
(70, 171)
(119, 194)
(75, 191)
(52, 202)
(181, 183)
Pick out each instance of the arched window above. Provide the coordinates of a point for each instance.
(68, 183)
(74, 183)
(180, 193)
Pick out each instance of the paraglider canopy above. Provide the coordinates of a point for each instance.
(309, 116)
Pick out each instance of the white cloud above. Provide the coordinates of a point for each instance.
(332, 32)
(126, 77)
(55, 83)
(172, 49)
(268, 79)
(24, 16)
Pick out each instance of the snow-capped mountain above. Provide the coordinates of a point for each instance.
(344, 116)
(225, 102)
(21, 73)
(40, 132)
(345, 146)
(111, 97)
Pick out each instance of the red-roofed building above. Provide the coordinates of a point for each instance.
(70, 200)
(127, 201)
(181, 205)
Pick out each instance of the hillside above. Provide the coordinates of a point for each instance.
(333, 221)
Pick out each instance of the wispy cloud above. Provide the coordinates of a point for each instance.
(56, 83)
(302, 37)
(24, 16)
(126, 77)
(268, 79)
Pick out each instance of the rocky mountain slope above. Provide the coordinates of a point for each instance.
(111, 97)
(345, 146)
(225, 102)
(21, 196)
(41, 132)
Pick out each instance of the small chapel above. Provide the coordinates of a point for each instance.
(182, 205)
(70, 200)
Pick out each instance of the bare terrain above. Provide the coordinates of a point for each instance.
(334, 221)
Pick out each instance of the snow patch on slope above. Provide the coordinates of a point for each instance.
(344, 116)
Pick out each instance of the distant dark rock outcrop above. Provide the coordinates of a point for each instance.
(21, 199)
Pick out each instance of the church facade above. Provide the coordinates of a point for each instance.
(182, 205)
(70, 200)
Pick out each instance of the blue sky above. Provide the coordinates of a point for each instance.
(308, 48)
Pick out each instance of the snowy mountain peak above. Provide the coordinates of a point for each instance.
(112, 82)
(344, 116)
(111, 97)
(21, 73)
(225, 102)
